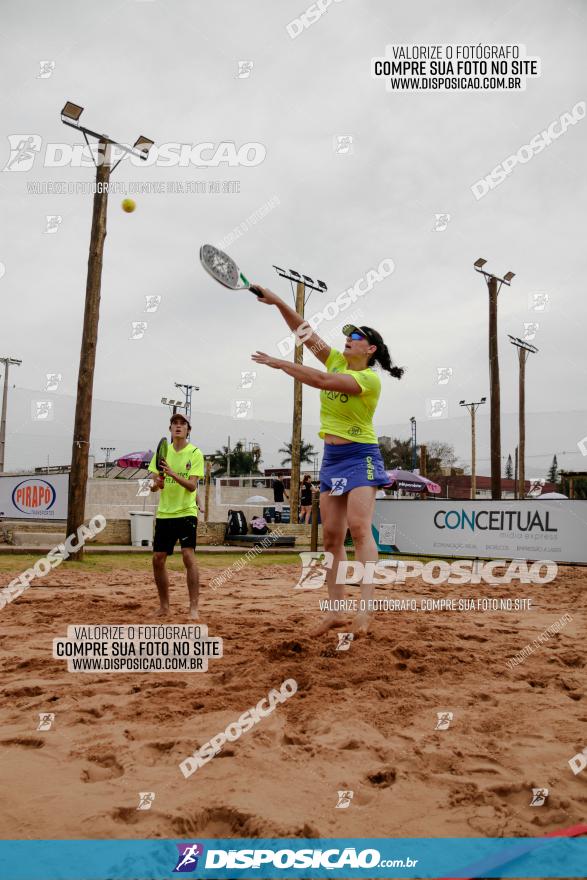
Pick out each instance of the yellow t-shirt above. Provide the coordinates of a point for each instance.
(350, 415)
(174, 500)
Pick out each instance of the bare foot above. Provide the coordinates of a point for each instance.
(193, 613)
(361, 624)
(163, 611)
(330, 621)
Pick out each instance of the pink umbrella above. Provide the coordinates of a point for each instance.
(410, 482)
(134, 459)
(433, 488)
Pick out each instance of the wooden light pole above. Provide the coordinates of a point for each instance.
(494, 286)
(423, 457)
(296, 430)
(473, 407)
(524, 349)
(207, 481)
(85, 384)
(85, 381)
(473, 458)
(302, 281)
(314, 528)
(522, 422)
(494, 392)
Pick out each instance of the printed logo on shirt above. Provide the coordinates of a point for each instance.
(169, 481)
(333, 395)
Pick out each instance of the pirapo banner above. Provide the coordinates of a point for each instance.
(530, 529)
(34, 497)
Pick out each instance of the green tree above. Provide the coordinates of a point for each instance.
(553, 471)
(397, 454)
(439, 456)
(256, 454)
(509, 469)
(241, 461)
(307, 453)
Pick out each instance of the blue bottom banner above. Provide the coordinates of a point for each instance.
(538, 857)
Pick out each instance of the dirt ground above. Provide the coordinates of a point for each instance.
(362, 720)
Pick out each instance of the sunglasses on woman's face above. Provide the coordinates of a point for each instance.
(356, 336)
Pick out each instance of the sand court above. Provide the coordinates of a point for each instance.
(423, 720)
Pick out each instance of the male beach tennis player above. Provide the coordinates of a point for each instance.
(279, 492)
(352, 467)
(177, 514)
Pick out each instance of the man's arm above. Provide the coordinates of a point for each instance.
(157, 481)
(189, 484)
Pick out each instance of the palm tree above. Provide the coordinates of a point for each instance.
(397, 454)
(241, 461)
(306, 453)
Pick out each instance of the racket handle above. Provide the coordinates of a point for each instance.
(255, 290)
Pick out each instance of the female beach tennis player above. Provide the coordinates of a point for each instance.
(306, 499)
(352, 467)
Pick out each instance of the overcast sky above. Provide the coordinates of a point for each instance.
(168, 69)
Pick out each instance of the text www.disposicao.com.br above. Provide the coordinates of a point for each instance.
(135, 664)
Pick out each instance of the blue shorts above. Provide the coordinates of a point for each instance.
(348, 465)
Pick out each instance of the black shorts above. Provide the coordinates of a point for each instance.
(169, 531)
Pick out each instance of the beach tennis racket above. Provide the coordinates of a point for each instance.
(223, 269)
(161, 454)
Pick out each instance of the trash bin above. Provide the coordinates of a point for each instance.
(141, 528)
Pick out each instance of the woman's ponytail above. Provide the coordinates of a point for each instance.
(383, 358)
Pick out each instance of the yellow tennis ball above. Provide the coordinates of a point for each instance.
(128, 205)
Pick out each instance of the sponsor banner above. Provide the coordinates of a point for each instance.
(530, 529)
(43, 496)
(366, 858)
